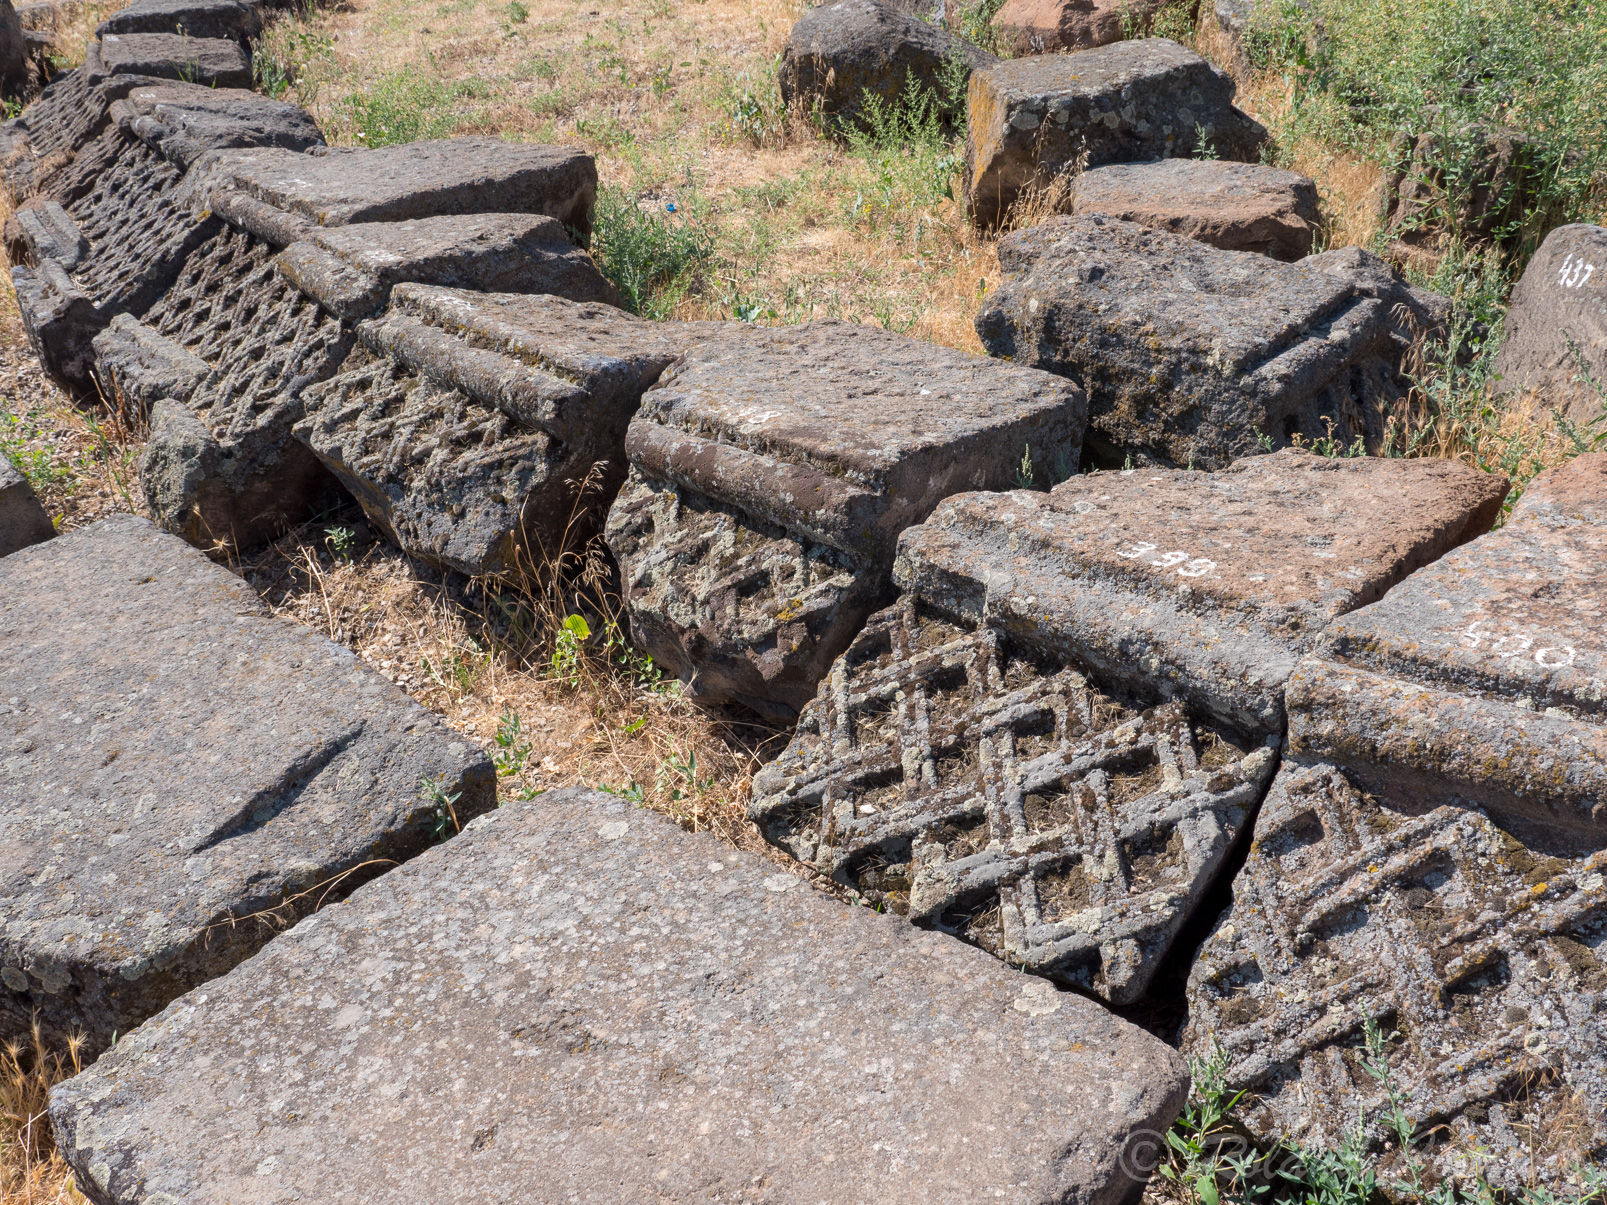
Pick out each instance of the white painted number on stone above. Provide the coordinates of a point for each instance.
(1517, 644)
(1185, 565)
(1576, 273)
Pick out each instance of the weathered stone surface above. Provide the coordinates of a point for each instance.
(467, 423)
(771, 473)
(123, 235)
(176, 758)
(1477, 182)
(23, 522)
(339, 187)
(237, 20)
(1556, 328)
(1034, 119)
(596, 981)
(961, 765)
(975, 785)
(1478, 952)
(1192, 355)
(205, 61)
(839, 52)
(238, 295)
(143, 367)
(1415, 313)
(1235, 206)
(1206, 587)
(1049, 26)
(1480, 678)
(70, 112)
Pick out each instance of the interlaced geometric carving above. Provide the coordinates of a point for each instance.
(756, 601)
(1481, 957)
(65, 115)
(435, 451)
(127, 217)
(264, 338)
(976, 787)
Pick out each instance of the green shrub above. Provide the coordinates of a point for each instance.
(653, 258)
(1367, 72)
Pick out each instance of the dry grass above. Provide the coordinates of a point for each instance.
(32, 1171)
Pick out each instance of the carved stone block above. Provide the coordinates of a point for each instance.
(772, 470)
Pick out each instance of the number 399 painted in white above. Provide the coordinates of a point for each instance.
(1518, 644)
(1575, 272)
(1185, 565)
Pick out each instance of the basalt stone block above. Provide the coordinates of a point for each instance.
(23, 522)
(209, 62)
(1556, 329)
(1235, 206)
(238, 20)
(339, 187)
(1416, 314)
(121, 236)
(1192, 355)
(1205, 587)
(467, 422)
(1052, 744)
(839, 52)
(1479, 679)
(575, 966)
(72, 110)
(771, 473)
(1478, 953)
(964, 780)
(1052, 26)
(269, 324)
(15, 69)
(176, 761)
(1034, 119)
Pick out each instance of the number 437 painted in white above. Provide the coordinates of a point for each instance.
(1575, 272)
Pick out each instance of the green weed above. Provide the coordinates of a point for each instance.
(568, 645)
(512, 751)
(443, 822)
(653, 258)
(42, 466)
(406, 106)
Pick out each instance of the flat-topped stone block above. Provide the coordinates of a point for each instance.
(1208, 587)
(222, 463)
(1480, 678)
(176, 761)
(1052, 744)
(1052, 26)
(840, 52)
(1192, 355)
(466, 422)
(205, 61)
(342, 186)
(1035, 119)
(1555, 333)
(772, 470)
(237, 20)
(1476, 951)
(23, 522)
(1235, 206)
(628, 1012)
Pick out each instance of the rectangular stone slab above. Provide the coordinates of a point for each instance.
(1234, 206)
(577, 1001)
(1481, 956)
(176, 759)
(467, 421)
(1192, 356)
(205, 61)
(1036, 120)
(1203, 586)
(1481, 676)
(414, 180)
(771, 472)
(239, 20)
